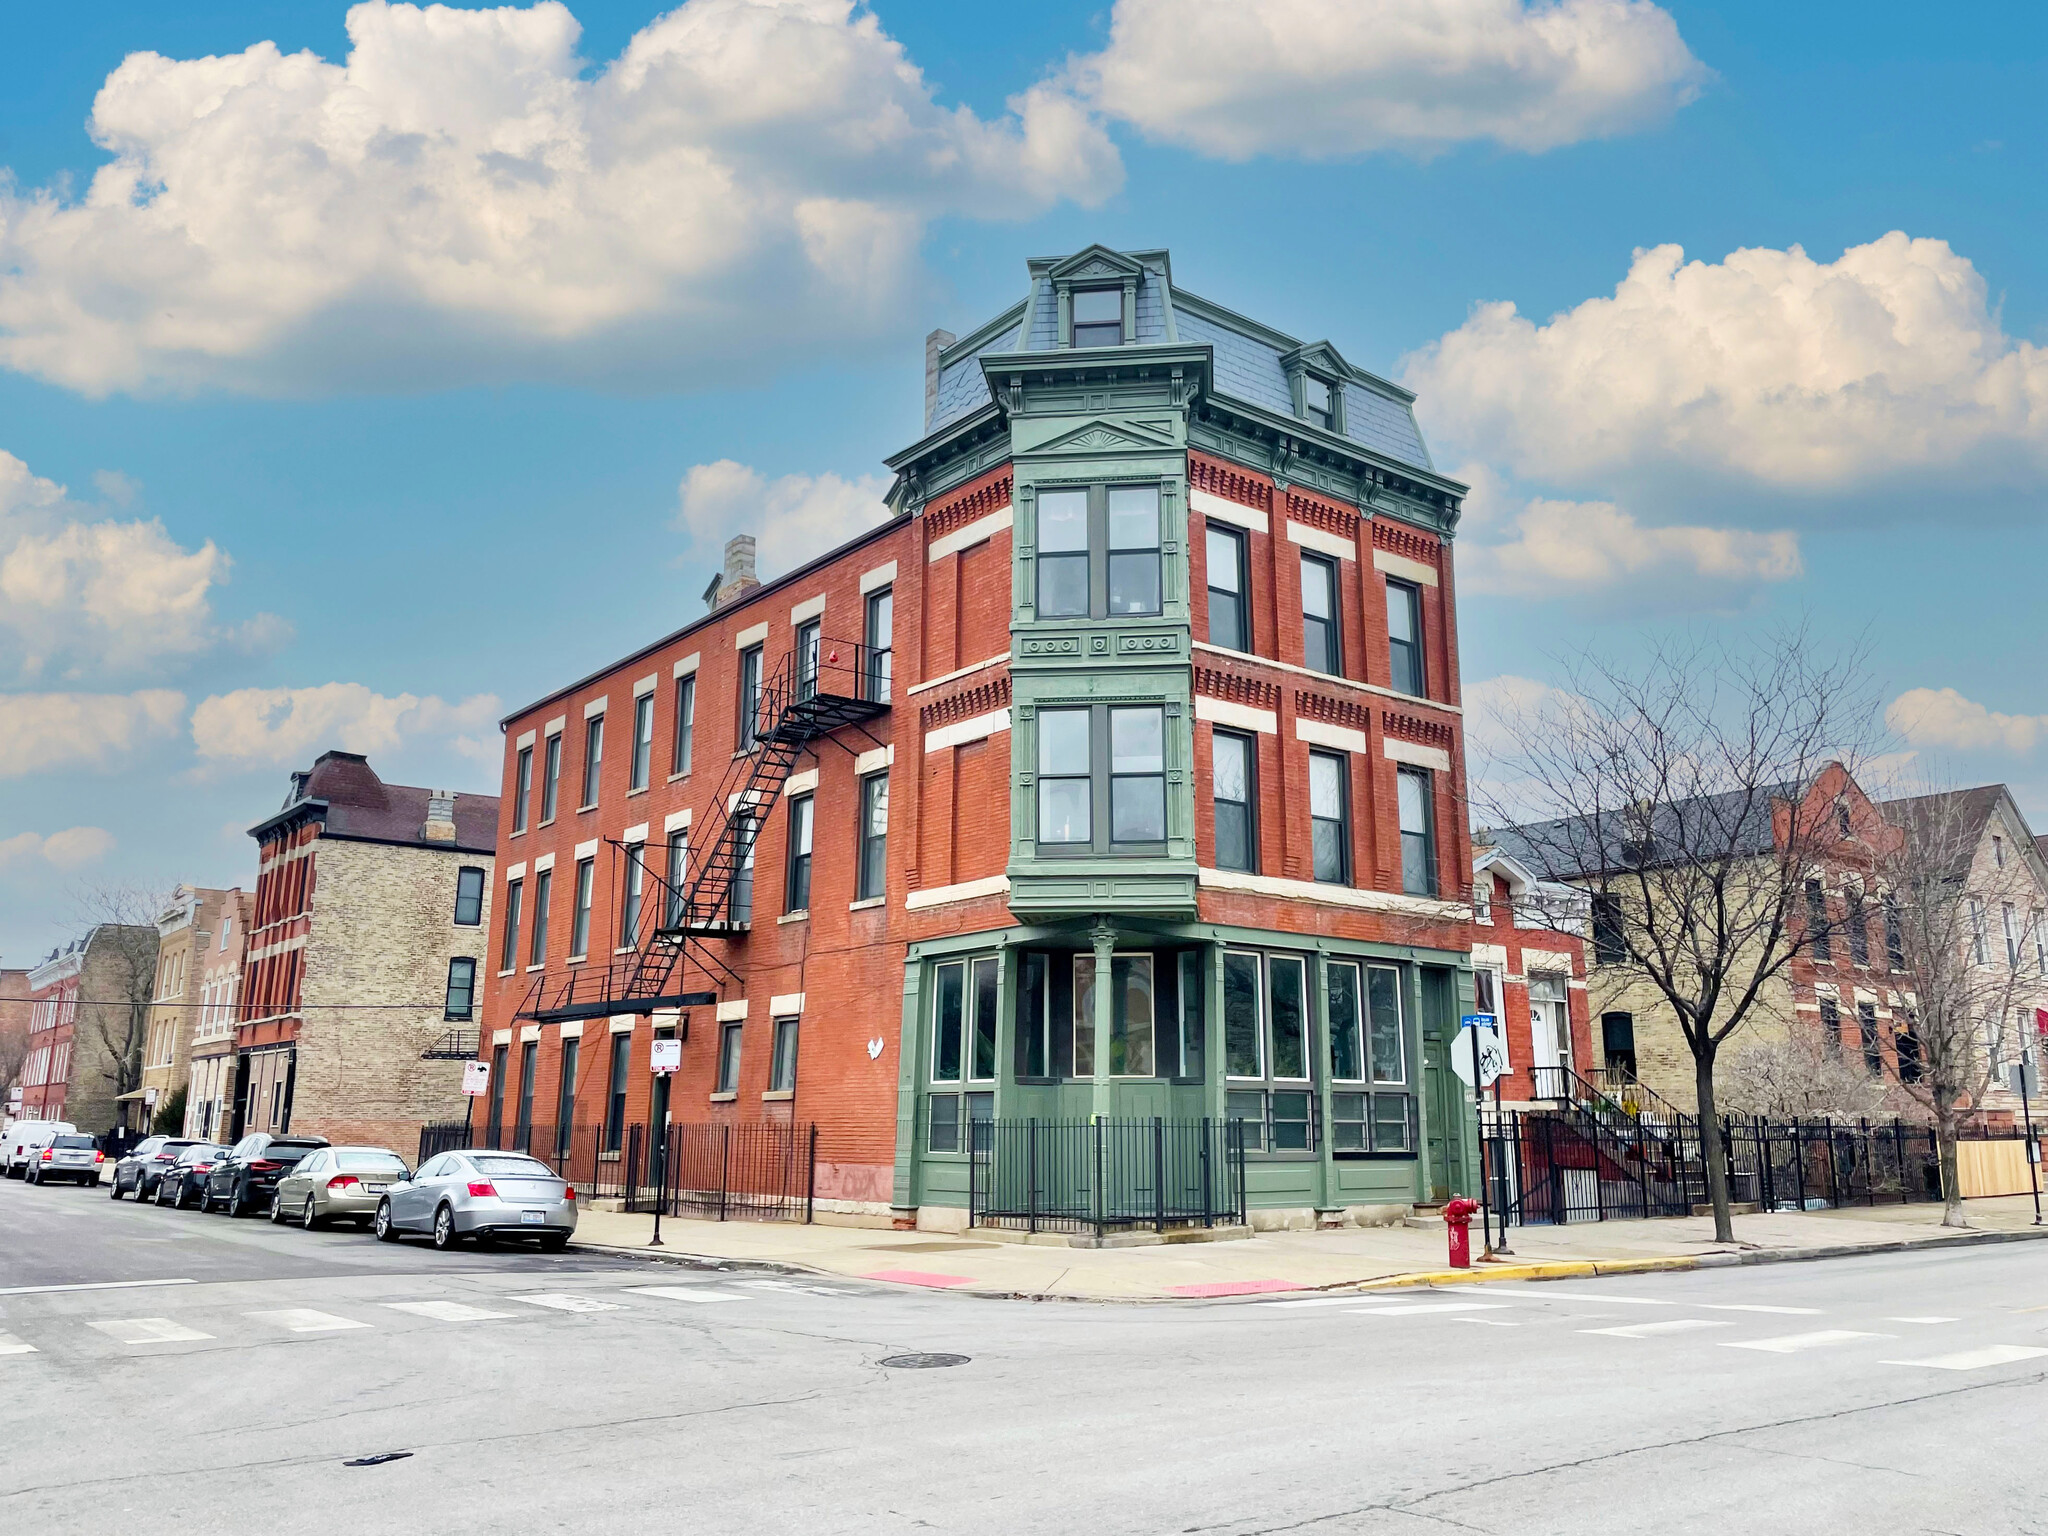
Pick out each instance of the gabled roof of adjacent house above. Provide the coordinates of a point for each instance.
(1250, 358)
(355, 805)
(1923, 818)
(1576, 847)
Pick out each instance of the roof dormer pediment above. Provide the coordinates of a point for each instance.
(1320, 356)
(1097, 261)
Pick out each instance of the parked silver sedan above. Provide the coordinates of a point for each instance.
(483, 1195)
(336, 1182)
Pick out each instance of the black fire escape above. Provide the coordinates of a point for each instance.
(686, 925)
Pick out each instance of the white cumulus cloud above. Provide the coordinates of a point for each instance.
(1563, 547)
(81, 595)
(1321, 79)
(72, 848)
(274, 727)
(793, 518)
(1768, 366)
(464, 197)
(1942, 717)
(48, 732)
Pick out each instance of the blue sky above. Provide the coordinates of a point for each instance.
(379, 389)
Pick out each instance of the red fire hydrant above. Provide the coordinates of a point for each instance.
(1457, 1223)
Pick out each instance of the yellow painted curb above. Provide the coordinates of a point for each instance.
(1556, 1269)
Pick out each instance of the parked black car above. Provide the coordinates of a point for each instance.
(245, 1179)
(138, 1173)
(184, 1182)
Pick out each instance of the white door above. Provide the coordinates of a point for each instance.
(1550, 1037)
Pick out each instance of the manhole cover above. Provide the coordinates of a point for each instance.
(924, 1362)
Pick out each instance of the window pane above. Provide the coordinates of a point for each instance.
(1137, 810)
(522, 785)
(1033, 1047)
(1063, 811)
(729, 1058)
(1131, 1026)
(1134, 517)
(947, 1023)
(1233, 837)
(1232, 757)
(944, 1114)
(1391, 1117)
(1062, 522)
(1318, 594)
(643, 739)
(984, 1066)
(1347, 1053)
(1134, 583)
(469, 897)
(1251, 1109)
(1063, 741)
(1327, 845)
(1225, 572)
(1290, 1022)
(1084, 1015)
(1347, 1122)
(1400, 611)
(1315, 394)
(1291, 1122)
(593, 757)
(1389, 1065)
(686, 717)
(1137, 740)
(1241, 1015)
(1414, 803)
(1062, 586)
(1194, 1011)
(1325, 785)
(1096, 306)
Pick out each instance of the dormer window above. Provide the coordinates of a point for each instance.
(1098, 317)
(1316, 402)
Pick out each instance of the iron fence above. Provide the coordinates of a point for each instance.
(764, 1171)
(1576, 1166)
(1091, 1175)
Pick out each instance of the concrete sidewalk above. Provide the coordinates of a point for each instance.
(1287, 1261)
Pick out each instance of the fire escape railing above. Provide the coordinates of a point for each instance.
(683, 922)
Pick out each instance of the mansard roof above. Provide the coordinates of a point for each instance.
(1251, 359)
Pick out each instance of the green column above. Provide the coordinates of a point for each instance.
(1103, 935)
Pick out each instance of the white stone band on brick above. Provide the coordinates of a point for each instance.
(980, 728)
(501, 1037)
(675, 821)
(945, 678)
(556, 726)
(516, 871)
(529, 1032)
(1243, 716)
(1334, 895)
(587, 850)
(785, 1005)
(1321, 733)
(573, 1030)
(545, 861)
(525, 740)
(753, 634)
(688, 664)
(809, 608)
(1403, 567)
(945, 895)
(1546, 960)
(647, 684)
(622, 1024)
(1321, 542)
(875, 761)
(880, 576)
(634, 834)
(595, 707)
(982, 528)
(733, 1011)
(1209, 504)
(801, 783)
(1415, 754)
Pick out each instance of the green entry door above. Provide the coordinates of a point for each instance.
(1449, 1114)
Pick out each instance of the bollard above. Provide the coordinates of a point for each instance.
(1458, 1225)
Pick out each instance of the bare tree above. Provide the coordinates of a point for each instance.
(1689, 793)
(1798, 1076)
(121, 919)
(13, 1048)
(1958, 924)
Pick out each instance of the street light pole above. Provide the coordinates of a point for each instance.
(2033, 1147)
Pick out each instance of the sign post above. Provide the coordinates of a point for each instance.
(1481, 1068)
(476, 1082)
(664, 1060)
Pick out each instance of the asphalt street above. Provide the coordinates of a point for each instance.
(580, 1393)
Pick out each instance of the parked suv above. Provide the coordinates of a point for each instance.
(75, 1159)
(25, 1141)
(138, 1172)
(246, 1178)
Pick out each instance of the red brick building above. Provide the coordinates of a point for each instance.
(1529, 971)
(1152, 674)
(90, 1005)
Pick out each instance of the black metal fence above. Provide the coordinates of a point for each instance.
(762, 1171)
(1092, 1175)
(1559, 1168)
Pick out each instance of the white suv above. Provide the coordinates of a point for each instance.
(24, 1141)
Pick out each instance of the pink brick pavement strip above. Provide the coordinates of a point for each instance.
(1236, 1288)
(918, 1277)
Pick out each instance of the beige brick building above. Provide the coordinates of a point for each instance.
(185, 930)
(371, 909)
(210, 1080)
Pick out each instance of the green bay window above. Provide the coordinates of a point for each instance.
(1098, 552)
(1102, 780)
(1132, 1017)
(1266, 1042)
(1371, 1109)
(963, 1049)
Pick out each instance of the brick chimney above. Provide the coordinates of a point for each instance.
(738, 575)
(440, 824)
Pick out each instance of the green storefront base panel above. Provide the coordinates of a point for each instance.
(945, 1181)
(1376, 1182)
(1282, 1183)
(1035, 893)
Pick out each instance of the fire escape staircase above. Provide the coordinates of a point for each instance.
(1632, 1130)
(687, 923)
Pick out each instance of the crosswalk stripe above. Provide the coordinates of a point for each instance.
(1921, 1320)
(305, 1320)
(1351, 1300)
(697, 1293)
(10, 1345)
(1545, 1293)
(1417, 1308)
(1730, 1306)
(1793, 1343)
(445, 1311)
(1655, 1330)
(564, 1302)
(148, 1330)
(1976, 1359)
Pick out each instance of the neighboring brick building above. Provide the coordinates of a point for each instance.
(1530, 972)
(1152, 672)
(185, 933)
(211, 1080)
(87, 1024)
(16, 1008)
(368, 929)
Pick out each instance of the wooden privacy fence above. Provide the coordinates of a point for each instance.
(1993, 1168)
